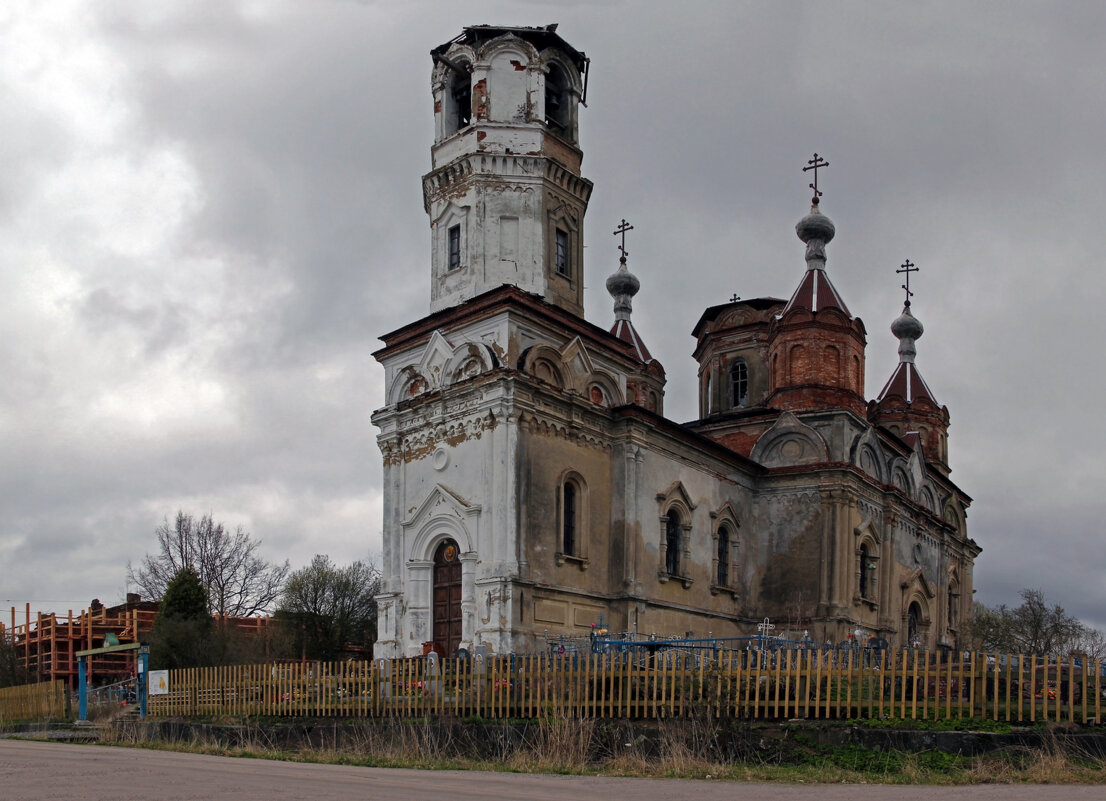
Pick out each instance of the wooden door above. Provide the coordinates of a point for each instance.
(447, 597)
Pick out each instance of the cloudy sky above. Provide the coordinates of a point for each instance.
(209, 211)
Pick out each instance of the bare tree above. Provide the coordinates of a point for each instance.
(1036, 626)
(238, 581)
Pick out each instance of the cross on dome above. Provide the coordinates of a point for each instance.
(908, 268)
(815, 164)
(622, 229)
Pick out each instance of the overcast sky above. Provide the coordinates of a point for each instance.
(209, 211)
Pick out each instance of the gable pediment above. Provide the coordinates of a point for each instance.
(790, 442)
(440, 502)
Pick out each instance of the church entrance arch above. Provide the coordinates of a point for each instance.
(447, 597)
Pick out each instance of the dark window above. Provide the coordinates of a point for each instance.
(556, 100)
(912, 621)
(723, 557)
(866, 566)
(561, 258)
(673, 544)
(569, 519)
(739, 384)
(461, 89)
(454, 247)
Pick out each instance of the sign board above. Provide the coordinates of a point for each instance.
(159, 682)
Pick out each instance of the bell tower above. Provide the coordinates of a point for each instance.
(505, 196)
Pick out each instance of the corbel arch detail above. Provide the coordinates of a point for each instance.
(468, 360)
(544, 363)
(602, 390)
(409, 382)
(927, 497)
(868, 455)
(900, 476)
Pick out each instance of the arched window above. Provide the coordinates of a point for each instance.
(708, 402)
(724, 556)
(913, 621)
(954, 603)
(673, 539)
(739, 384)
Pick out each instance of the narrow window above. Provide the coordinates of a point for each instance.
(454, 247)
(865, 568)
(569, 519)
(739, 384)
(723, 557)
(912, 623)
(673, 544)
(556, 100)
(561, 259)
(461, 89)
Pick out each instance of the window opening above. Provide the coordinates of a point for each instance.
(739, 384)
(672, 544)
(912, 621)
(454, 247)
(723, 557)
(461, 89)
(561, 260)
(866, 568)
(569, 519)
(556, 99)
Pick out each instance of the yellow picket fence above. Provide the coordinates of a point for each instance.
(33, 702)
(738, 684)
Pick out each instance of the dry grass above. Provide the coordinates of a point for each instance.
(679, 749)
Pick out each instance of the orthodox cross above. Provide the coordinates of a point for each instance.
(735, 298)
(814, 164)
(908, 268)
(622, 229)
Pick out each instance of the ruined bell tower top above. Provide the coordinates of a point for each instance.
(505, 194)
(493, 77)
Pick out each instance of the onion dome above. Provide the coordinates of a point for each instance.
(906, 381)
(622, 286)
(816, 292)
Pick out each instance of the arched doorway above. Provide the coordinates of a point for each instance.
(447, 597)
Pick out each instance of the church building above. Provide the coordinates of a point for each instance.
(534, 487)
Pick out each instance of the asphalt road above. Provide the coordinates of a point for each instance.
(32, 771)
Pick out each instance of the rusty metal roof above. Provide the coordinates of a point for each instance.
(907, 383)
(815, 293)
(624, 330)
(540, 37)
